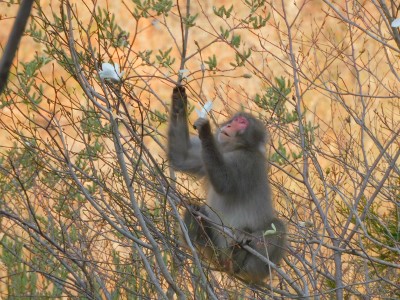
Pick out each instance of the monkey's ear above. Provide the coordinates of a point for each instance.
(261, 148)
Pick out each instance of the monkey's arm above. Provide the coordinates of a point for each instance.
(222, 176)
(183, 150)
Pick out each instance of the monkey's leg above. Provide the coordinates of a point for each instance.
(273, 246)
(249, 267)
(239, 256)
(198, 230)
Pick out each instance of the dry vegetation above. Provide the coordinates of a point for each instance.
(89, 206)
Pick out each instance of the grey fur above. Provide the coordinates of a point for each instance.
(239, 196)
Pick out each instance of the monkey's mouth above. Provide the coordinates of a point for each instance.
(225, 133)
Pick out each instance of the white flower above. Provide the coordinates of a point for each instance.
(167, 74)
(306, 224)
(270, 231)
(111, 72)
(156, 24)
(396, 22)
(202, 67)
(203, 111)
(184, 73)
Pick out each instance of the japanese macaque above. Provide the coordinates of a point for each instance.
(238, 198)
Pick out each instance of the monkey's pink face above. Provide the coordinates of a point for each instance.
(237, 126)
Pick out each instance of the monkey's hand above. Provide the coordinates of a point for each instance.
(202, 125)
(179, 100)
(194, 208)
(242, 238)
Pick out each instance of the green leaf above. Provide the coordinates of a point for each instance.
(222, 11)
(211, 62)
(235, 42)
(190, 20)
